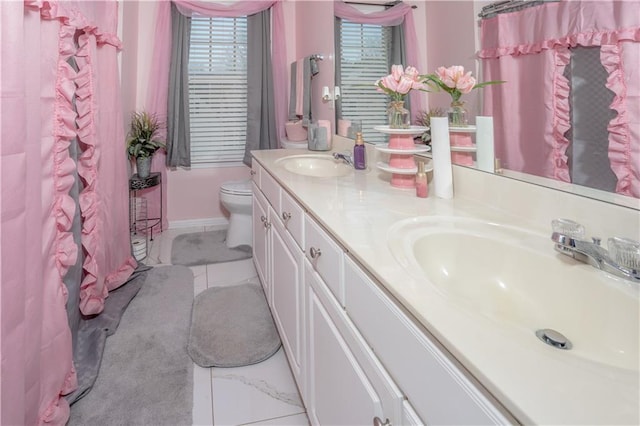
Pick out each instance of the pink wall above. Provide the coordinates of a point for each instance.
(193, 194)
(314, 34)
(451, 34)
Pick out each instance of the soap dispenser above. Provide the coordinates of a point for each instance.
(422, 187)
(359, 153)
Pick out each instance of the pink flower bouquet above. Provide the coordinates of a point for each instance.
(454, 81)
(400, 82)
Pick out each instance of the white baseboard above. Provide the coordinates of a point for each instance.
(192, 223)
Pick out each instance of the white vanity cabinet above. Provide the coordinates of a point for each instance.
(356, 356)
(279, 261)
(345, 383)
(287, 295)
(435, 386)
(325, 256)
(261, 225)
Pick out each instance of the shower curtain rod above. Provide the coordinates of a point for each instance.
(509, 6)
(387, 5)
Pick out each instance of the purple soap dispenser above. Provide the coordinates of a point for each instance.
(359, 153)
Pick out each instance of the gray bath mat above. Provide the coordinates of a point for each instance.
(146, 375)
(200, 248)
(231, 327)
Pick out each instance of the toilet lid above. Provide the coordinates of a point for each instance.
(237, 187)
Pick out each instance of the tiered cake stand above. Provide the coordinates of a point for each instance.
(462, 147)
(401, 148)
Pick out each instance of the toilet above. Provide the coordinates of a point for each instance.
(235, 196)
(288, 144)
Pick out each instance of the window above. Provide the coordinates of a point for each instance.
(364, 52)
(218, 89)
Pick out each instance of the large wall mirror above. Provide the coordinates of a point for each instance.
(580, 154)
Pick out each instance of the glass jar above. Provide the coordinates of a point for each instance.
(399, 116)
(457, 114)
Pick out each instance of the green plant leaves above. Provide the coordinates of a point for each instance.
(142, 133)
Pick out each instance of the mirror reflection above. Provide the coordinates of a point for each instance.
(570, 110)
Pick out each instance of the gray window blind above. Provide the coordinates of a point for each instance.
(364, 58)
(218, 89)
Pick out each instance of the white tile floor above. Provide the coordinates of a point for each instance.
(260, 394)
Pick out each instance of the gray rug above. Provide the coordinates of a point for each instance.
(146, 375)
(231, 327)
(94, 331)
(200, 248)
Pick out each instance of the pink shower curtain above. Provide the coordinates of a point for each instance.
(37, 248)
(530, 50)
(157, 95)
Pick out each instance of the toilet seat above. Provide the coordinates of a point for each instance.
(237, 187)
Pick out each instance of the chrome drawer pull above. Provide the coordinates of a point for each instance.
(286, 216)
(377, 421)
(252, 172)
(267, 225)
(263, 219)
(314, 252)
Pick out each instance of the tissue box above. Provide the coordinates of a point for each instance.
(295, 132)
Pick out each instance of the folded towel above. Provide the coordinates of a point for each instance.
(300, 97)
(293, 96)
(301, 84)
(318, 139)
(343, 127)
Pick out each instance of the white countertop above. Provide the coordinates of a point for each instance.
(536, 383)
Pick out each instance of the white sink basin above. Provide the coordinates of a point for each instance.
(515, 278)
(315, 165)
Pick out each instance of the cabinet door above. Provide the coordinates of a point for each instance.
(338, 390)
(261, 226)
(439, 391)
(287, 293)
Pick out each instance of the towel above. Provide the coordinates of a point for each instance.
(293, 95)
(318, 139)
(343, 127)
(302, 71)
(300, 85)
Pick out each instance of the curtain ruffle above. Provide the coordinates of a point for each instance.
(595, 38)
(93, 290)
(619, 137)
(119, 277)
(63, 166)
(73, 20)
(561, 116)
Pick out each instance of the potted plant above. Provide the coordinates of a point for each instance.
(424, 119)
(142, 141)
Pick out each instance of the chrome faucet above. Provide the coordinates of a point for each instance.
(346, 157)
(622, 259)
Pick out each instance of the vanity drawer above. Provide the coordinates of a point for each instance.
(292, 216)
(325, 256)
(270, 188)
(436, 388)
(256, 171)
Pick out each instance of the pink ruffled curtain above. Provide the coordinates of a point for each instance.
(530, 50)
(38, 124)
(157, 96)
(393, 16)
